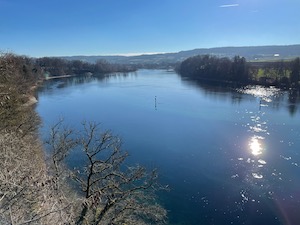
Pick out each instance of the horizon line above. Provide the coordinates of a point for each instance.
(156, 53)
(143, 53)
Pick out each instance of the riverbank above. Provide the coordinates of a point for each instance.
(28, 191)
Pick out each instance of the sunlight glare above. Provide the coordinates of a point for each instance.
(255, 146)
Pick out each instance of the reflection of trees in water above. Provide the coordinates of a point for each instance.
(293, 101)
(226, 92)
(70, 81)
(216, 90)
(79, 80)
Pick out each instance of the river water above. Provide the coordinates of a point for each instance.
(229, 155)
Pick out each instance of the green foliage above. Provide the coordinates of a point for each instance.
(260, 73)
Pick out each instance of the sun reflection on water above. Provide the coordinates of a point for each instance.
(261, 181)
(261, 92)
(255, 146)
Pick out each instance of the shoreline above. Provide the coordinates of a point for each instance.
(31, 101)
(57, 77)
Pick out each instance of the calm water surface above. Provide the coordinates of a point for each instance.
(229, 155)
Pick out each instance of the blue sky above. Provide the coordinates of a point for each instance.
(104, 27)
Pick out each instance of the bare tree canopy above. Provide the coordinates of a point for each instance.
(110, 192)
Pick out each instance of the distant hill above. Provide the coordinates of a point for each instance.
(254, 53)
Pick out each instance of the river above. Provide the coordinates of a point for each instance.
(229, 155)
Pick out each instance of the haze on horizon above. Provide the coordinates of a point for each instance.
(110, 27)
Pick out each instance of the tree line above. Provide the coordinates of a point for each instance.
(279, 73)
(57, 66)
(214, 68)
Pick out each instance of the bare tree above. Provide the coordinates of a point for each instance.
(15, 89)
(61, 142)
(111, 193)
